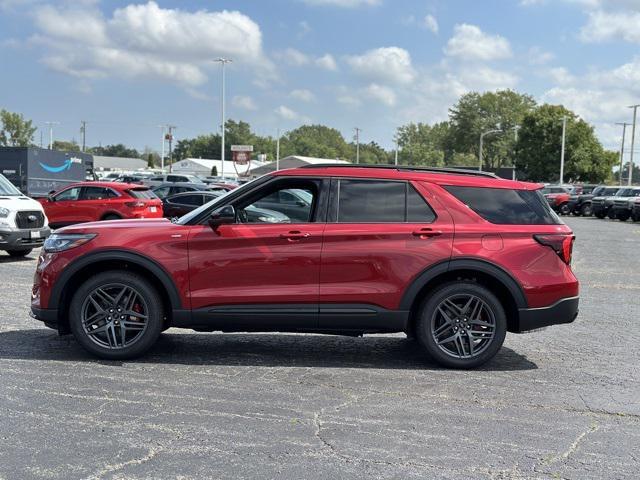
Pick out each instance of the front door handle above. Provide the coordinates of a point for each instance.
(427, 232)
(294, 235)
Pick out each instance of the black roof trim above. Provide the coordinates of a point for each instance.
(403, 168)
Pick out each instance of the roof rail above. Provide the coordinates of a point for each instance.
(452, 171)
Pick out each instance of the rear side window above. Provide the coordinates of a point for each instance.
(505, 206)
(142, 193)
(372, 201)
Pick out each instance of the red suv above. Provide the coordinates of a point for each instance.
(93, 201)
(455, 259)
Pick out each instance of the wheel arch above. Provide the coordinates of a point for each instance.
(82, 268)
(111, 213)
(488, 274)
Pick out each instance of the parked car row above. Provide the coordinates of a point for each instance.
(601, 201)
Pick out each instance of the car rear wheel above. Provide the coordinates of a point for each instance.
(461, 325)
(623, 216)
(23, 252)
(585, 210)
(116, 315)
(111, 216)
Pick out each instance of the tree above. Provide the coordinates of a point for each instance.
(475, 113)
(422, 144)
(118, 150)
(539, 147)
(15, 131)
(65, 146)
(150, 160)
(214, 171)
(316, 141)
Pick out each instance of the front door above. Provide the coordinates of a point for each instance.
(61, 209)
(263, 270)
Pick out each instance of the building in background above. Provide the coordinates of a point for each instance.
(204, 167)
(293, 161)
(118, 164)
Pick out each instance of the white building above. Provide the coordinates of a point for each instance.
(293, 161)
(204, 167)
(118, 164)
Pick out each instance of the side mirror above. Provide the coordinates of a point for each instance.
(50, 195)
(222, 216)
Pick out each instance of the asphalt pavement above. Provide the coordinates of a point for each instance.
(563, 402)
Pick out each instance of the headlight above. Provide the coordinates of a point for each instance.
(59, 242)
(4, 212)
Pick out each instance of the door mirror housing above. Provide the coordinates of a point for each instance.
(222, 216)
(50, 195)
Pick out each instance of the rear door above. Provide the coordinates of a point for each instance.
(94, 203)
(380, 235)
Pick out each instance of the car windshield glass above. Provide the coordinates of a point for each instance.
(194, 213)
(7, 188)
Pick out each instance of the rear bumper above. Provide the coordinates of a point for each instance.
(563, 311)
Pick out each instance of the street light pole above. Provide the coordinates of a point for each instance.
(162, 154)
(51, 124)
(223, 61)
(564, 131)
(624, 131)
(482, 135)
(357, 144)
(278, 151)
(633, 140)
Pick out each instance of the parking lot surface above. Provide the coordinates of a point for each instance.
(559, 403)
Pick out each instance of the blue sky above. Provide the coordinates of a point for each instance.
(126, 67)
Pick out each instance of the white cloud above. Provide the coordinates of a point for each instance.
(287, 114)
(430, 23)
(382, 94)
(327, 62)
(244, 101)
(343, 3)
(147, 40)
(603, 26)
(293, 57)
(303, 95)
(390, 65)
(537, 56)
(560, 75)
(471, 43)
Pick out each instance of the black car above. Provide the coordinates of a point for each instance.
(182, 203)
(169, 189)
(581, 204)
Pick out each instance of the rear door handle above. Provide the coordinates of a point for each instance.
(294, 235)
(427, 232)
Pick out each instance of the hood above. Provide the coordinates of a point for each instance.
(18, 203)
(129, 224)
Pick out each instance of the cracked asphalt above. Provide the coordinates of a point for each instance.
(559, 403)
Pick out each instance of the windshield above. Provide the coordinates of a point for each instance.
(7, 188)
(194, 213)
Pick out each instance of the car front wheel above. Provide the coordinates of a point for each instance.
(116, 315)
(461, 325)
(585, 210)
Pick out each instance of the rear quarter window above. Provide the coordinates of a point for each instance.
(142, 193)
(506, 206)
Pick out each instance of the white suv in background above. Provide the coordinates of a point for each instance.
(23, 224)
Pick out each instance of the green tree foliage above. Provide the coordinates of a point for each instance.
(65, 146)
(423, 144)
(15, 131)
(475, 113)
(372, 153)
(316, 141)
(118, 150)
(539, 146)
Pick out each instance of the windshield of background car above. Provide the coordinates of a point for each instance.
(7, 188)
(194, 213)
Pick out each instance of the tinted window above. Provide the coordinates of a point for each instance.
(156, 179)
(161, 191)
(176, 178)
(292, 202)
(418, 211)
(506, 206)
(69, 194)
(194, 199)
(97, 193)
(142, 193)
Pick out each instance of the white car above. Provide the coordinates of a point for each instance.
(23, 224)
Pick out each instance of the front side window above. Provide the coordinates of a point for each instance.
(379, 201)
(70, 194)
(194, 199)
(291, 202)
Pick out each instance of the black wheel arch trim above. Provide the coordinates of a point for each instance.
(120, 255)
(470, 263)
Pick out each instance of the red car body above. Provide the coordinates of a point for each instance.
(326, 276)
(94, 201)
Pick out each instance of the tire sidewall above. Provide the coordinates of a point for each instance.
(144, 288)
(423, 327)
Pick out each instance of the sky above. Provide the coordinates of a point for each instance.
(126, 67)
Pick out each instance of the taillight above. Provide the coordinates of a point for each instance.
(137, 204)
(561, 244)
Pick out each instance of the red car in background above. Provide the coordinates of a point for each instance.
(558, 198)
(92, 201)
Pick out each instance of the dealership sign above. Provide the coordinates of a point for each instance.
(241, 154)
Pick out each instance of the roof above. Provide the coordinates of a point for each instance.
(114, 185)
(293, 161)
(433, 175)
(315, 160)
(118, 163)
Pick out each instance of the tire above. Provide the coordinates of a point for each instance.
(601, 215)
(623, 216)
(564, 209)
(111, 216)
(109, 331)
(431, 320)
(611, 214)
(23, 252)
(585, 210)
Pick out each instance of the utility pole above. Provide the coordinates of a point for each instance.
(633, 140)
(624, 131)
(223, 61)
(83, 131)
(396, 155)
(162, 127)
(564, 131)
(278, 150)
(170, 138)
(51, 124)
(357, 144)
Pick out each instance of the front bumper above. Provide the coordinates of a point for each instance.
(600, 208)
(563, 311)
(47, 315)
(617, 209)
(17, 239)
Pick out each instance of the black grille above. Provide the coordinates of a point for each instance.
(33, 219)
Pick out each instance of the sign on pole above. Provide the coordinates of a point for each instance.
(241, 154)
